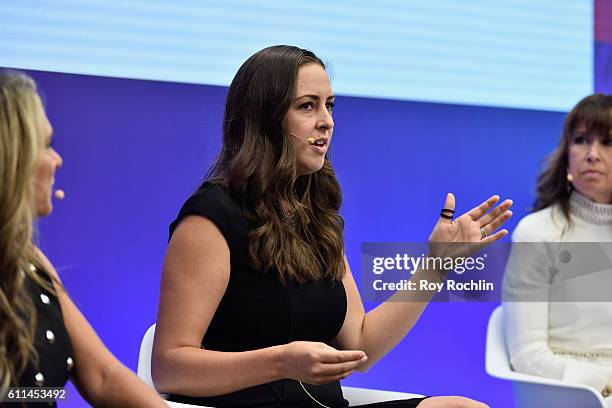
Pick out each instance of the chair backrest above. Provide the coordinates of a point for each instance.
(532, 391)
(497, 358)
(144, 357)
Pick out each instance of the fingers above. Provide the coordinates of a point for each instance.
(491, 221)
(326, 373)
(497, 222)
(449, 204)
(332, 355)
(495, 237)
(496, 212)
(339, 369)
(477, 212)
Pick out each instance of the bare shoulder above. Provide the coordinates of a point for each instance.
(197, 238)
(197, 255)
(197, 228)
(46, 263)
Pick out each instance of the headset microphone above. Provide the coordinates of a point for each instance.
(310, 140)
(59, 194)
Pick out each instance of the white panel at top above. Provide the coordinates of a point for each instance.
(509, 53)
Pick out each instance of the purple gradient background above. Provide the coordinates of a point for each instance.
(603, 67)
(134, 150)
(603, 46)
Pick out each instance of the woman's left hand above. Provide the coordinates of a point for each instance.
(476, 228)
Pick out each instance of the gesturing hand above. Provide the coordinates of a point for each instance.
(317, 363)
(476, 228)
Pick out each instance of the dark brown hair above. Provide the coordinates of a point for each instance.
(257, 166)
(595, 113)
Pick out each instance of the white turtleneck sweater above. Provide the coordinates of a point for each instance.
(563, 327)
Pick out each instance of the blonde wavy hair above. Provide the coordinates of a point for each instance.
(20, 142)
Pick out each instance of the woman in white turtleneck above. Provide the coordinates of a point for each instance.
(556, 327)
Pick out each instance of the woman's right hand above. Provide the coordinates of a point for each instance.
(317, 363)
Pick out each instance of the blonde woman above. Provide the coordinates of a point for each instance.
(44, 339)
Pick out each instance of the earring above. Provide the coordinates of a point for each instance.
(569, 184)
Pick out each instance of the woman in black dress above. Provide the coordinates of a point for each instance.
(44, 339)
(258, 306)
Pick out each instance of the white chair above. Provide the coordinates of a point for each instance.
(355, 396)
(532, 391)
(144, 364)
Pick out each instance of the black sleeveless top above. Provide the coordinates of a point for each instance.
(52, 342)
(256, 311)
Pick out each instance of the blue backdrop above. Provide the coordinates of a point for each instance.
(134, 150)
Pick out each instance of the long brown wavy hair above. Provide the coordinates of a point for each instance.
(20, 141)
(595, 113)
(257, 166)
